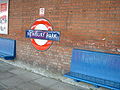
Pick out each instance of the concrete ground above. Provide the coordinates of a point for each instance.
(14, 78)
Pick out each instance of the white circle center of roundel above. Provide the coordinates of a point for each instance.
(40, 27)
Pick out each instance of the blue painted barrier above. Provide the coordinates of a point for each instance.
(7, 48)
(97, 68)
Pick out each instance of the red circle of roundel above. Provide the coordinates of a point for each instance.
(49, 28)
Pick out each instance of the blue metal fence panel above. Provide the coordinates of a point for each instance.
(103, 65)
(8, 46)
(98, 67)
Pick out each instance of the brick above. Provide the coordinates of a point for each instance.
(84, 24)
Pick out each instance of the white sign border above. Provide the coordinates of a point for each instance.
(7, 14)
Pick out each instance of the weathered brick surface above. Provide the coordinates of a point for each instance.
(84, 24)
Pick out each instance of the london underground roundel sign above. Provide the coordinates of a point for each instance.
(41, 24)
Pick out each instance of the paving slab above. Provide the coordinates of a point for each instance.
(2, 87)
(6, 67)
(46, 82)
(64, 86)
(12, 82)
(29, 76)
(18, 71)
(29, 86)
(5, 75)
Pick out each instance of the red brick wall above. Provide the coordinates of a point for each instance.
(84, 24)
